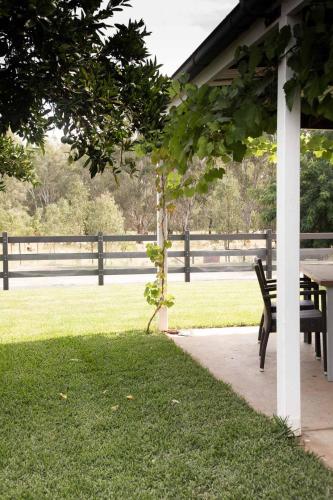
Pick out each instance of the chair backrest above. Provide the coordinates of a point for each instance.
(265, 297)
(261, 280)
(261, 269)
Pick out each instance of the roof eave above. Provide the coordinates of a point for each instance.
(238, 21)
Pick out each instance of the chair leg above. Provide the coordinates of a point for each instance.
(260, 328)
(325, 351)
(308, 337)
(317, 345)
(264, 342)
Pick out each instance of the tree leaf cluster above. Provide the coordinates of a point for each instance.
(62, 64)
(15, 161)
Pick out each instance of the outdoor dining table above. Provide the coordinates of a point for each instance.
(322, 273)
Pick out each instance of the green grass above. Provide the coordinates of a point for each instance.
(97, 443)
(53, 312)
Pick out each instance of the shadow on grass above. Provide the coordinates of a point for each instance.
(71, 431)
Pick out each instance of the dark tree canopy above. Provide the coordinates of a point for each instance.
(62, 64)
(316, 209)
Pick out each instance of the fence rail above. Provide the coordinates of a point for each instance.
(267, 253)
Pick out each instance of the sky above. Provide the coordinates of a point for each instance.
(177, 26)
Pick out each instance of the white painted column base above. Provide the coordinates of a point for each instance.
(163, 323)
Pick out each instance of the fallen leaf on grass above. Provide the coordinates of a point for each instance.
(62, 395)
(115, 407)
(130, 397)
(175, 401)
(105, 391)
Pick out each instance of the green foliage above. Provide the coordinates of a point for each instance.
(79, 215)
(62, 66)
(219, 123)
(152, 294)
(103, 215)
(136, 195)
(56, 177)
(268, 204)
(316, 197)
(15, 220)
(312, 60)
(242, 204)
(319, 145)
(154, 253)
(62, 218)
(156, 292)
(15, 161)
(68, 215)
(262, 147)
(64, 201)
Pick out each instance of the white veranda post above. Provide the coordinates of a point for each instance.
(162, 234)
(288, 238)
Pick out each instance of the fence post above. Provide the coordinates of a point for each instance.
(5, 261)
(100, 249)
(269, 254)
(187, 259)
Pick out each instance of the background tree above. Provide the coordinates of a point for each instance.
(136, 195)
(225, 211)
(58, 203)
(58, 219)
(316, 209)
(252, 175)
(104, 215)
(14, 214)
(316, 196)
(16, 220)
(186, 215)
(55, 175)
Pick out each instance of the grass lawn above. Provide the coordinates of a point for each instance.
(182, 434)
(53, 312)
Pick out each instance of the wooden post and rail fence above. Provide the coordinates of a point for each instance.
(266, 252)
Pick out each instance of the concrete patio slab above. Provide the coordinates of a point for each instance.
(231, 355)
